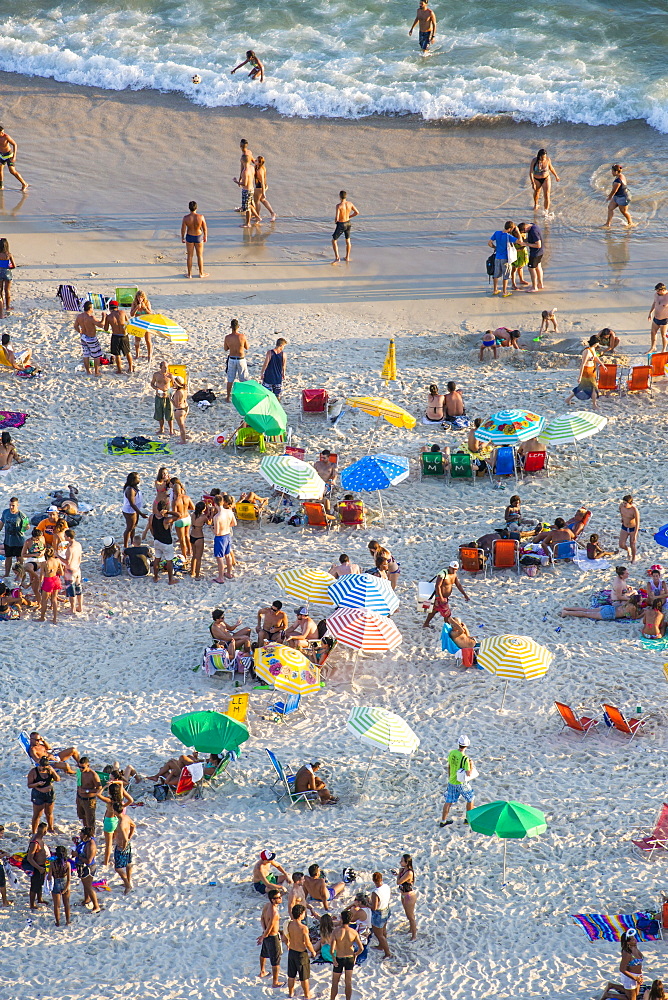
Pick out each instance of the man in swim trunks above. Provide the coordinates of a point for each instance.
(236, 365)
(163, 408)
(628, 533)
(427, 21)
(246, 181)
(343, 213)
(345, 947)
(223, 522)
(454, 403)
(299, 949)
(86, 799)
(263, 878)
(57, 758)
(307, 780)
(271, 623)
(445, 581)
(326, 469)
(8, 153)
(317, 888)
(194, 235)
(270, 938)
(658, 313)
(87, 326)
(122, 838)
(302, 632)
(117, 320)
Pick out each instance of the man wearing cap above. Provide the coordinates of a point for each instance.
(458, 761)
(15, 523)
(443, 585)
(263, 878)
(117, 320)
(302, 632)
(47, 524)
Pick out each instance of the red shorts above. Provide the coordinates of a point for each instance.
(443, 608)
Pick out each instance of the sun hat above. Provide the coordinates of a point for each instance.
(107, 541)
(464, 741)
(179, 380)
(267, 855)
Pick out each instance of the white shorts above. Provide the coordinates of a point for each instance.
(237, 368)
(162, 550)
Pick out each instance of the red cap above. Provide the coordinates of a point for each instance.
(114, 304)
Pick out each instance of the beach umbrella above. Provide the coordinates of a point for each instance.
(383, 408)
(572, 427)
(363, 629)
(308, 586)
(287, 669)
(361, 590)
(513, 657)
(507, 820)
(661, 537)
(290, 475)
(375, 472)
(389, 372)
(159, 325)
(510, 427)
(381, 730)
(209, 732)
(259, 408)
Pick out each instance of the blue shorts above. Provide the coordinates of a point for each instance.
(275, 387)
(380, 917)
(5, 274)
(425, 40)
(73, 590)
(452, 793)
(222, 546)
(607, 613)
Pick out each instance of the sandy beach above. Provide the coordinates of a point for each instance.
(111, 175)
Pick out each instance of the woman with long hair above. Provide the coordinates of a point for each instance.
(435, 403)
(539, 174)
(200, 517)
(117, 798)
(630, 969)
(61, 873)
(619, 196)
(260, 193)
(6, 267)
(406, 883)
(133, 501)
(142, 307)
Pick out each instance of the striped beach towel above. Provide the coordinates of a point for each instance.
(99, 301)
(610, 927)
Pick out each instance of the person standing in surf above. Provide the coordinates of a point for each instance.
(539, 175)
(344, 212)
(193, 234)
(426, 18)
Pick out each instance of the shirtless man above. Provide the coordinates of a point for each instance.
(70, 556)
(246, 181)
(558, 533)
(117, 320)
(86, 324)
(233, 638)
(327, 472)
(163, 408)
(270, 938)
(454, 402)
(317, 888)
(443, 585)
(17, 359)
(302, 632)
(271, 623)
(122, 838)
(628, 533)
(8, 153)
(343, 213)
(236, 365)
(307, 780)
(194, 235)
(345, 947)
(86, 795)
(344, 567)
(658, 313)
(299, 949)
(40, 748)
(297, 894)
(427, 21)
(263, 878)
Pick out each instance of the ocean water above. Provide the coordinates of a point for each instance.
(585, 61)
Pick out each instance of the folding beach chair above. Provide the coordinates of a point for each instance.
(316, 514)
(461, 468)
(70, 299)
(535, 461)
(351, 514)
(295, 452)
(284, 783)
(98, 300)
(217, 663)
(503, 464)
(190, 780)
(314, 401)
(569, 720)
(472, 559)
(180, 370)
(431, 464)
(506, 554)
(563, 551)
(247, 513)
(608, 380)
(287, 707)
(126, 296)
(578, 526)
(651, 841)
(24, 740)
(657, 363)
(639, 379)
(615, 720)
(238, 707)
(246, 437)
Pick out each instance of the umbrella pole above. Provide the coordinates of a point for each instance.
(373, 432)
(382, 512)
(357, 656)
(367, 768)
(577, 455)
(505, 692)
(505, 848)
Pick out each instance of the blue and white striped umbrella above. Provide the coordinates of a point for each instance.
(375, 472)
(360, 590)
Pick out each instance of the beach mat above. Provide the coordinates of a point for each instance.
(610, 927)
(8, 418)
(152, 448)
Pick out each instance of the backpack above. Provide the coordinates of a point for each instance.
(204, 395)
(162, 792)
(490, 264)
(119, 442)
(140, 442)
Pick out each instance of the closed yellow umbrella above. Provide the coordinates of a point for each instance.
(514, 657)
(307, 585)
(287, 669)
(377, 407)
(389, 372)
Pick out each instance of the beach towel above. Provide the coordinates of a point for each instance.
(610, 927)
(151, 448)
(98, 301)
(28, 372)
(10, 419)
(581, 561)
(647, 643)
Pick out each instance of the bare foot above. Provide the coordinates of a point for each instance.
(173, 582)
(188, 275)
(205, 274)
(334, 262)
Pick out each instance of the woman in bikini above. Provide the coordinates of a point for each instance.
(133, 501)
(85, 853)
(180, 404)
(406, 883)
(393, 568)
(654, 620)
(435, 406)
(182, 505)
(539, 175)
(608, 612)
(260, 194)
(199, 518)
(61, 873)
(162, 486)
(117, 795)
(619, 196)
(50, 584)
(586, 387)
(630, 969)
(142, 307)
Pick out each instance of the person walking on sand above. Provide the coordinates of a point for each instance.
(122, 841)
(443, 584)
(117, 321)
(503, 243)
(8, 153)
(540, 169)
(260, 194)
(345, 946)
(460, 774)
(194, 235)
(270, 938)
(426, 18)
(223, 522)
(628, 533)
(343, 213)
(533, 239)
(246, 181)
(236, 365)
(86, 324)
(273, 368)
(163, 408)
(299, 949)
(257, 69)
(658, 314)
(619, 196)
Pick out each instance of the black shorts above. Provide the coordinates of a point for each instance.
(3, 877)
(119, 345)
(13, 550)
(535, 261)
(271, 949)
(657, 322)
(343, 965)
(342, 229)
(299, 965)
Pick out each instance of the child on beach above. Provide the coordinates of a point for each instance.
(594, 550)
(547, 318)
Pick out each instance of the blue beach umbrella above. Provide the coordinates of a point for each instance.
(375, 472)
(360, 590)
(661, 537)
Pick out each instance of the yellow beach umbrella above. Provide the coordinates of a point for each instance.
(514, 657)
(159, 325)
(287, 669)
(307, 585)
(389, 372)
(377, 407)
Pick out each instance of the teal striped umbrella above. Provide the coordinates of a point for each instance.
(382, 730)
(510, 427)
(160, 325)
(570, 428)
(290, 475)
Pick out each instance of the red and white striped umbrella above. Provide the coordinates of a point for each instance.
(363, 629)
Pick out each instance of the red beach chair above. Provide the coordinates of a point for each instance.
(648, 841)
(570, 720)
(314, 401)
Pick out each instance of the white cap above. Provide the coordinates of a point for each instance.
(453, 564)
(52, 509)
(464, 741)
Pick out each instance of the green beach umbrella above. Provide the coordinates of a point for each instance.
(507, 820)
(209, 732)
(570, 428)
(382, 730)
(259, 408)
(290, 475)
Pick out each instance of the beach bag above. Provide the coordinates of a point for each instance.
(490, 264)
(161, 792)
(512, 253)
(119, 442)
(204, 395)
(140, 442)
(648, 925)
(465, 778)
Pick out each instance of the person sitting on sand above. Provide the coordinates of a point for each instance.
(307, 780)
(110, 557)
(8, 453)
(620, 591)
(57, 758)
(170, 772)
(654, 620)
(230, 636)
(594, 550)
(657, 586)
(608, 341)
(454, 403)
(317, 888)
(343, 567)
(303, 631)
(435, 406)
(608, 612)
(15, 359)
(272, 622)
(264, 878)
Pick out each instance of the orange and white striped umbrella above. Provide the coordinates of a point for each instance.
(360, 628)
